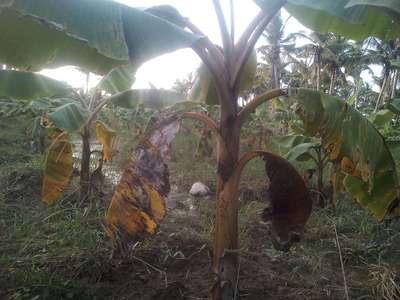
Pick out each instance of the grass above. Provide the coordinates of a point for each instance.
(45, 249)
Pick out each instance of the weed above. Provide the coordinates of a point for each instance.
(384, 281)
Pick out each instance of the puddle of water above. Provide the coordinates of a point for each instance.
(110, 171)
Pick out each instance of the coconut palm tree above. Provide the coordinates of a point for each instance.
(387, 55)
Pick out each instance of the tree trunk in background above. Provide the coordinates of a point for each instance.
(332, 85)
(261, 138)
(394, 84)
(320, 176)
(204, 149)
(275, 70)
(379, 100)
(317, 62)
(318, 77)
(276, 79)
(225, 258)
(85, 164)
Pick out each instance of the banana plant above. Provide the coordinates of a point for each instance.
(367, 164)
(103, 37)
(63, 111)
(123, 97)
(372, 172)
(368, 171)
(303, 149)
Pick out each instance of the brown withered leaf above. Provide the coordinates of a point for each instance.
(290, 204)
(138, 203)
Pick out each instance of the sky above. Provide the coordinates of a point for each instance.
(163, 71)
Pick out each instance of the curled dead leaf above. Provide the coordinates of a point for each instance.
(334, 147)
(45, 122)
(290, 203)
(106, 137)
(347, 165)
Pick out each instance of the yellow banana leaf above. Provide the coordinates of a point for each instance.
(58, 167)
(106, 137)
(138, 204)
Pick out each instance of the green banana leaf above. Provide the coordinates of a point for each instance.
(301, 152)
(27, 85)
(381, 117)
(69, 117)
(354, 19)
(395, 63)
(394, 147)
(97, 35)
(355, 146)
(118, 80)
(283, 144)
(149, 98)
(394, 105)
(390, 5)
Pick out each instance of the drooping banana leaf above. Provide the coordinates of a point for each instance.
(27, 85)
(58, 167)
(353, 19)
(138, 204)
(355, 146)
(97, 35)
(106, 136)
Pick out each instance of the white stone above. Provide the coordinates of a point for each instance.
(199, 189)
